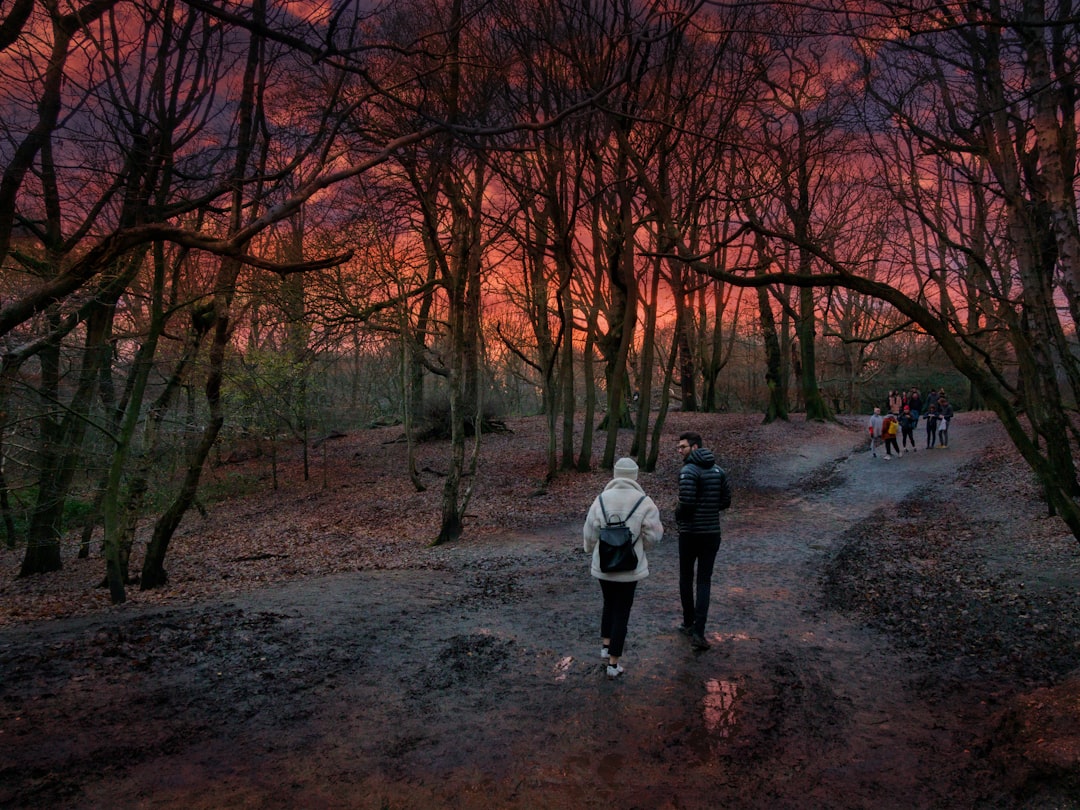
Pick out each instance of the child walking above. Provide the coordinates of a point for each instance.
(907, 428)
(931, 427)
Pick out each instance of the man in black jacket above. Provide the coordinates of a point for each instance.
(703, 492)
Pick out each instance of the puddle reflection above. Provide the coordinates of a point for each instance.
(718, 707)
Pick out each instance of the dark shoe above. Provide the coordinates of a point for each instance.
(698, 642)
(686, 629)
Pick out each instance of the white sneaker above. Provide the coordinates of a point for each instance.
(614, 672)
(604, 653)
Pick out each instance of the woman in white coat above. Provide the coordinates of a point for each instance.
(619, 496)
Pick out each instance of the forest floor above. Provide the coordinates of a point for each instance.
(898, 633)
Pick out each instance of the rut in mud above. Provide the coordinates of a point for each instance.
(870, 638)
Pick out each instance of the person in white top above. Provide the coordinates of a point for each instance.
(618, 587)
(875, 431)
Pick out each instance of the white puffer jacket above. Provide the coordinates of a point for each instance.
(620, 495)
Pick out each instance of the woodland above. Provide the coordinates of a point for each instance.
(228, 225)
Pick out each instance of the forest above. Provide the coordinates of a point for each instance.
(233, 224)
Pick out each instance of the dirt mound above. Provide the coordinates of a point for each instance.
(1036, 742)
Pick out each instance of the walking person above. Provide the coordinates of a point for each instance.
(907, 423)
(889, 429)
(930, 399)
(915, 403)
(704, 491)
(874, 427)
(896, 401)
(945, 415)
(622, 499)
(931, 427)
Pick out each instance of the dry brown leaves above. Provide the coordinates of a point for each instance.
(360, 511)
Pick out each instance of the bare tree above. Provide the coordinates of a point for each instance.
(989, 97)
(546, 179)
(808, 155)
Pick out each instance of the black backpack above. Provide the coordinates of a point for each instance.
(617, 541)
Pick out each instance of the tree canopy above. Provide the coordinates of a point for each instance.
(225, 218)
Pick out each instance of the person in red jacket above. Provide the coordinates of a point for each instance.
(890, 429)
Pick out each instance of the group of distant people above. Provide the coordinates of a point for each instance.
(904, 409)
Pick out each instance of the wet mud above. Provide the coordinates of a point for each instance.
(860, 660)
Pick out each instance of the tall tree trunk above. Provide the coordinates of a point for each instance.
(567, 394)
(588, 373)
(687, 377)
(625, 296)
(640, 447)
(463, 288)
(451, 525)
(154, 574)
(62, 441)
(5, 499)
(297, 334)
(665, 400)
(153, 571)
(776, 408)
(120, 513)
(806, 329)
(547, 349)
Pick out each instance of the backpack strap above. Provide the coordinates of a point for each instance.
(602, 509)
(605, 514)
(636, 505)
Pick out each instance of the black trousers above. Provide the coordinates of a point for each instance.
(697, 556)
(618, 600)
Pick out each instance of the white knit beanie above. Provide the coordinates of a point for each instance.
(626, 468)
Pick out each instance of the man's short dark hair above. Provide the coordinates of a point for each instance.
(691, 438)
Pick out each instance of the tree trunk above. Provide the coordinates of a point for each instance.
(120, 514)
(5, 499)
(588, 372)
(776, 408)
(640, 447)
(567, 398)
(450, 527)
(62, 442)
(248, 107)
(687, 377)
(665, 400)
(619, 255)
(153, 570)
(463, 316)
(806, 325)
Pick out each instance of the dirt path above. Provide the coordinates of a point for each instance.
(477, 682)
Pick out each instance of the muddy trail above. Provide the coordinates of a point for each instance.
(836, 677)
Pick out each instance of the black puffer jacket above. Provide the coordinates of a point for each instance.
(703, 492)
